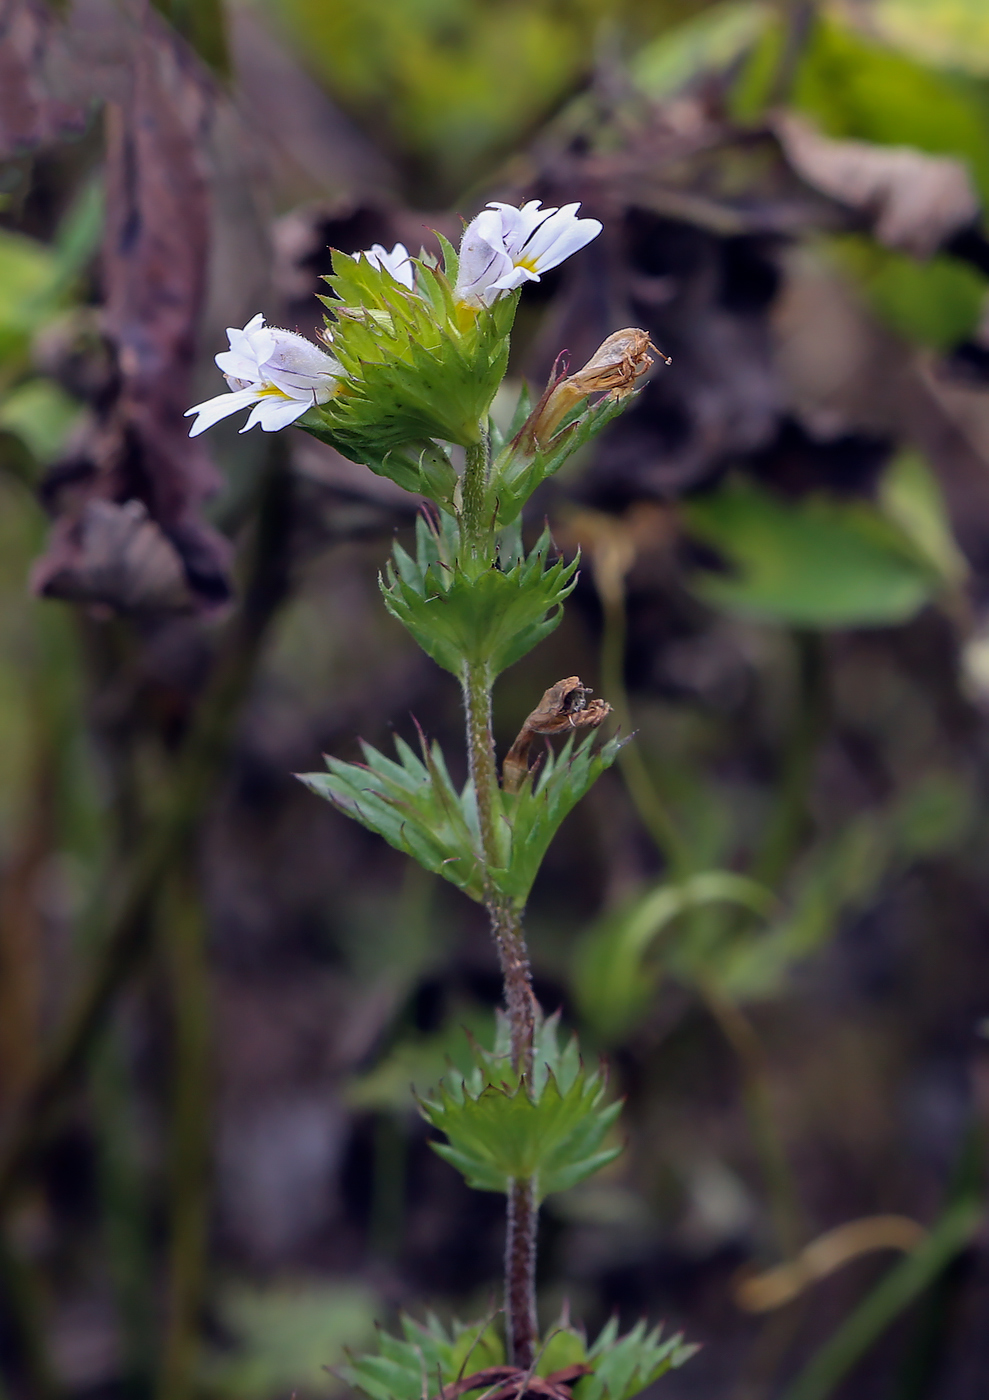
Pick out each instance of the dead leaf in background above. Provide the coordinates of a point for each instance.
(914, 201)
(115, 556)
(31, 113)
(155, 251)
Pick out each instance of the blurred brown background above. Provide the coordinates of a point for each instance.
(215, 992)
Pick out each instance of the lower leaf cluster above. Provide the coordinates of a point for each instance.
(428, 1357)
(424, 1359)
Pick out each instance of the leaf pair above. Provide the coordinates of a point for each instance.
(502, 1127)
(460, 618)
(414, 805)
(428, 1358)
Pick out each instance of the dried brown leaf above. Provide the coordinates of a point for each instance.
(32, 112)
(914, 201)
(155, 252)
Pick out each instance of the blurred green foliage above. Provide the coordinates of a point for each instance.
(452, 86)
(288, 1333)
(817, 562)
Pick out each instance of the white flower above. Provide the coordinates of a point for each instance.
(504, 247)
(397, 262)
(277, 374)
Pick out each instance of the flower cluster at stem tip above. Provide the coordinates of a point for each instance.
(279, 374)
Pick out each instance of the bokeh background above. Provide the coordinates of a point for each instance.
(215, 993)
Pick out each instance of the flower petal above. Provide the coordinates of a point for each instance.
(210, 411)
(237, 365)
(273, 413)
(517, 225)
(483, 258)
(558, 238)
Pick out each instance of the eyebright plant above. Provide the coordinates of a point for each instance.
(415, 351)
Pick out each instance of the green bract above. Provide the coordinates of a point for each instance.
(625, 1365)
(414, 805)
(522, 463)
(418, 364)
(490, 618)
(429, 1355)
(503, 1127)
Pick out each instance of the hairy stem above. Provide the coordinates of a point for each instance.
(477, 533)
(506, 925)
(520, 1271)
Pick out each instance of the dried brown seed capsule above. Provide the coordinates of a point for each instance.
(563, 708)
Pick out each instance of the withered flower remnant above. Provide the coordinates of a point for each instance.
(564, 708)
(616, 366)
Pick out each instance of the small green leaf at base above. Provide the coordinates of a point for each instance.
(622, 1366)
(426, 1357)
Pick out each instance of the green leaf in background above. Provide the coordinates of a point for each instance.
(952, 33)
(613, 981)
(41, 414)
(817, 562)
(27, 271)
(840, 877)
(426, 1357)
(503, 1128)
(287, 1335)
(936, 303)
(854, 86)
(447, 84)
(706, 43)
(910, 495)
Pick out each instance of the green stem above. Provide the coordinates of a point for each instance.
(506, 923)
(185, 944)
(784, 1203)
(647, 802)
